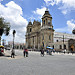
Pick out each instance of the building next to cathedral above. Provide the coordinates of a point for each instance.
(40, 36)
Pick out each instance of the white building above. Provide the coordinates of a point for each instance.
(58, 37)
(63, 41)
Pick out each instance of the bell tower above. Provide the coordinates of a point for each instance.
(47, 19)
(47, 31)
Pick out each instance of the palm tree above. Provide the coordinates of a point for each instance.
(4, 27)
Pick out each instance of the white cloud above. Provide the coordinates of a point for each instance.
(66, 5)
(40, 12)
(52, 2)
(13, 14)
(70, 26)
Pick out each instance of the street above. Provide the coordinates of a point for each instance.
(34, 64)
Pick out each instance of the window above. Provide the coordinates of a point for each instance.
(64, 46)
(30, 29)
(44, 21)
(33, 39)
(48, 21)
(57, 40)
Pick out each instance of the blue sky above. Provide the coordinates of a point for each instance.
(20, 12)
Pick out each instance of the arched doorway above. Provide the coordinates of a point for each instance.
(72, 48)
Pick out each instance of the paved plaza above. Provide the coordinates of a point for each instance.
(34, 64)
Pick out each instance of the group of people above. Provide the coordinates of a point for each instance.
(49, 52)
(25, 53)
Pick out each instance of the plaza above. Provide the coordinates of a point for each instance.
(34, 64)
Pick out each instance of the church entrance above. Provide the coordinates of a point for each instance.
(71, 45)
(72, 48)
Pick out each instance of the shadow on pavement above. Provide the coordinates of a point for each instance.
(7, 56)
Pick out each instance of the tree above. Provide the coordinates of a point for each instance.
(4, 27)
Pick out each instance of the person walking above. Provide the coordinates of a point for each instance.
(12, 53)
(42, 52)
(25, 52)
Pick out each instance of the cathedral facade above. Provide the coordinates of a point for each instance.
(39, 36)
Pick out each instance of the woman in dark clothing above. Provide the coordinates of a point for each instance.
(42, 52)
(25, 53)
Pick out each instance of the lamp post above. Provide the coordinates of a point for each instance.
(13, 53)
(13, 37)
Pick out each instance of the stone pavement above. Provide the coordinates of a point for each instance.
(57, 64)
(8, 54)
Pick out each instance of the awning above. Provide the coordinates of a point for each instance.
(1, 46)
(49, 47)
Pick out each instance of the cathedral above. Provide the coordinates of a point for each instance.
(39, 36)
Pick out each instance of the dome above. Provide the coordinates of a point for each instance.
(30, 23)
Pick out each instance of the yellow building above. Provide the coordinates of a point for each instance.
(39, 36)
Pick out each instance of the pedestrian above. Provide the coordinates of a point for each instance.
(50, 52)
(24, 52)
(47, 51)
(12, 53)
(42, 52)
(64, 51)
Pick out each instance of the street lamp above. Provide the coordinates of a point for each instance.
(13, 37)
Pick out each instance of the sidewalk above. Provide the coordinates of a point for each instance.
(63, 54)
(8, 55)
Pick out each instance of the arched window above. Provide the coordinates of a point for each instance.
(44, 21)
(48, 22)
(57, 40)
(30, 29)
(64, 46)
